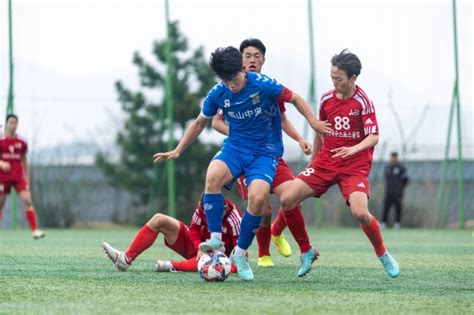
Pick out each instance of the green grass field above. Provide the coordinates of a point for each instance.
(67, 272)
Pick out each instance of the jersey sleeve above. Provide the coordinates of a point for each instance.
(271, 86)
(369, 120)
(285, 96)
(210, 106)
(195, 228)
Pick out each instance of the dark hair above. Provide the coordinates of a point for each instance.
(394, 154)
(253, 42)
(348, 62)
(11, 116)
(226, 62)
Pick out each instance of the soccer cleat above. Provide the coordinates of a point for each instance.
(212, 244)
(282, 245)
(265, 261)
(307, 260)
(164, 266)
(37, 234)
(243, 267)
(117, 257)
(390, 265)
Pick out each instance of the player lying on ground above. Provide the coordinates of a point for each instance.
(345, 157)
(253, 52)
(249, 103)
(15, 172)
(178, 237)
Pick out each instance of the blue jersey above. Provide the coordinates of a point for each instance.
(253, 114)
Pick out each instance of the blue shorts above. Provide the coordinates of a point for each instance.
(252, 166)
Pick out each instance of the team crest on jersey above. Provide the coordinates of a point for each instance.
(255, 98)
(226, 103)
(11, 148)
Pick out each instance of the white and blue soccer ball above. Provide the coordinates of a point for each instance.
(214, 266)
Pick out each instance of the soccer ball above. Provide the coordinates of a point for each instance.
(214, 266)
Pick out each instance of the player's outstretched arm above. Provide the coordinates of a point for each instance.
(219, 124)
(291, 131)
(192, 133)
(369, 142)
(302, 106)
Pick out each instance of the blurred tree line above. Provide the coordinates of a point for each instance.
(144, 131)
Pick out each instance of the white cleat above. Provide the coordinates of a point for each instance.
(164, 266)
(37, 234)
(117, 257)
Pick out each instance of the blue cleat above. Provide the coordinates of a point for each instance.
(390, 265)
(212, 244)
(307, 261)
(243, 267)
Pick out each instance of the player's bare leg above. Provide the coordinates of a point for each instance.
(30, 214)
(359, 206)
(3, 197)
(292, 195)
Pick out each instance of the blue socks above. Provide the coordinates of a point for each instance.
(248, 229)
(214, 208)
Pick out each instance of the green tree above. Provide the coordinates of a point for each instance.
(144, 132)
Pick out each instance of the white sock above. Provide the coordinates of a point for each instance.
(217, 235)
(239, 251)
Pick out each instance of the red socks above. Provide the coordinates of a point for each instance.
(264, 236)
(144, 239)
(191, 265)
(186, 265)
(373, 233)
(31, 217)
(295, 221)
(279, 224)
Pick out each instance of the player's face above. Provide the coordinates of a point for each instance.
(342, 83)
(12, 124)
(237, 83)
(253, 59)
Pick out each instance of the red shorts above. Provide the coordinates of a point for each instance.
(283, 174)
(20, 184)
(320, 179)
(183, 245)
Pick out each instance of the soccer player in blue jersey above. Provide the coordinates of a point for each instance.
(249, 102)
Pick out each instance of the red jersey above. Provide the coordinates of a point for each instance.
(12, 150)
(199, 232)
(352, 120)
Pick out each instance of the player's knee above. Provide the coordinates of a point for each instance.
(362, 217)
(287, 202)
(213, 183)
(256, 204)
(157, 221)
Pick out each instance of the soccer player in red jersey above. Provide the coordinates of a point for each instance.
(345, 155)
(180, 238)
(14, 171)
(253, 52)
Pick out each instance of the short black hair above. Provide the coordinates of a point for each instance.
(11, 116)
(253, 42)
(394, 154)
(226, 62)
(348, 62)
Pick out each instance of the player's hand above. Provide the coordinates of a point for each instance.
(5, 166)
(165, 156)
(306, 146)
(323, 127)
(343, 152)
